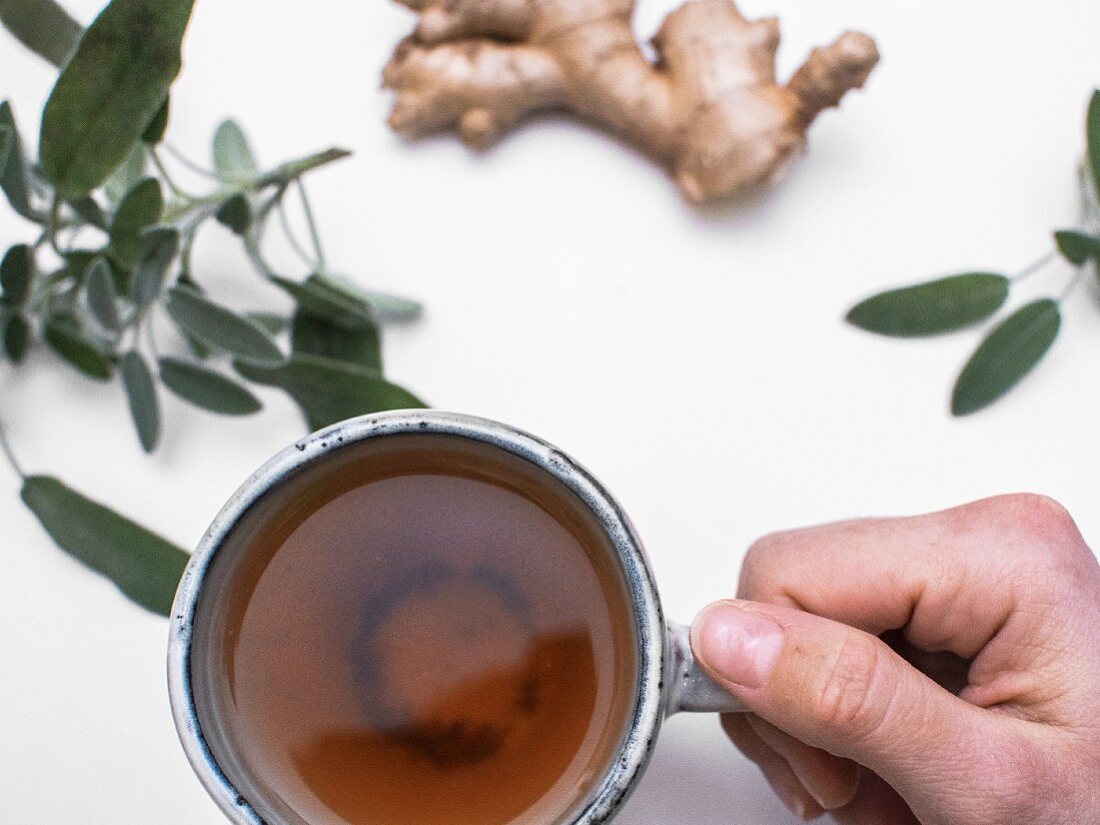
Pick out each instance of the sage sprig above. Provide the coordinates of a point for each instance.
(104, 279)
(1018, 342)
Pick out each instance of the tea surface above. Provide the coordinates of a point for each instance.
(427, 631)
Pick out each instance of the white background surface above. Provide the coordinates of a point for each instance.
(695, 360)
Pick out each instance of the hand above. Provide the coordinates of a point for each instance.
(942, 669)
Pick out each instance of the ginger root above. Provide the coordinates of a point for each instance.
(709, 109)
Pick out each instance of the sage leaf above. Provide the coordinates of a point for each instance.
(1077, 247)
(142, 207)
(43, 27)
(233, 158)
(1006, 355)
(99, 285)
(197, 347)
(222, 328)
(16, 271)
(158, 247)
(317, 336)
(126, 176)
(329, 391)
(144, 566)
(13, 172)
(1092, 136)
(236, 214)
(89, 209)
(142, 395)
(322, 297)
(77, 262)
(110, 91)
(273, 323)
(184, 279)
(64, 337)
(16, 336)
(932, 308)
(154, 132)
(391, 308)
(206, 388)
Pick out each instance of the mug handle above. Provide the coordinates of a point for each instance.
(690, 689)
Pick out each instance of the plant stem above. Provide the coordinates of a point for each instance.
(179, 193)
(189, 212)
(287, 172)
(256, 256)
(1033, 267)
(314, 235)
(1074, 282)
(5, 447)
(281, 176)
(55, 219)
(190, 164)
(292, 238)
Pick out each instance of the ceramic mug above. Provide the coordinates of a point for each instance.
(668, 679)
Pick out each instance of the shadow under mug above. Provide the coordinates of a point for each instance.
(668, 679)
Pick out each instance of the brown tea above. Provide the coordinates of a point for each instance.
(419, 629)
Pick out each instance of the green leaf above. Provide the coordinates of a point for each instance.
(144, 566)
(1077, 247)
(233, 158)
(931, 308)
(1006, 356)
(110, 91)
(154, 132)
(316, 336)
(90, 210)
(222, 328)
(329, 391)
(158, 248)
(16, 271)
(206, 388)
(13, 173)
(332, 296)
(100, 286)
(142, 395)
(197, 347)
(43, 27)
(270, 321)
(323, 297)
(1092, 134)
(77, 262)
(389, 308)
(16, 335)
(141, 207)
(65, 338)
(127, 175)
(236, 214)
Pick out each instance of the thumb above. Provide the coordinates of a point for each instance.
(841, 690)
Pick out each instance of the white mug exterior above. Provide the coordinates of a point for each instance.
(668, 679)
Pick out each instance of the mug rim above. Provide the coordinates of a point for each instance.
(633, 755)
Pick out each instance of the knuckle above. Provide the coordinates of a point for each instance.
(848, 700)
(1010, 775)
(757, 569)
(1039, 516)
(1039, 533)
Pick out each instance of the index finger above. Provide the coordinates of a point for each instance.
(952, 579)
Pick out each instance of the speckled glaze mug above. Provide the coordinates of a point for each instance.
(668, 680)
